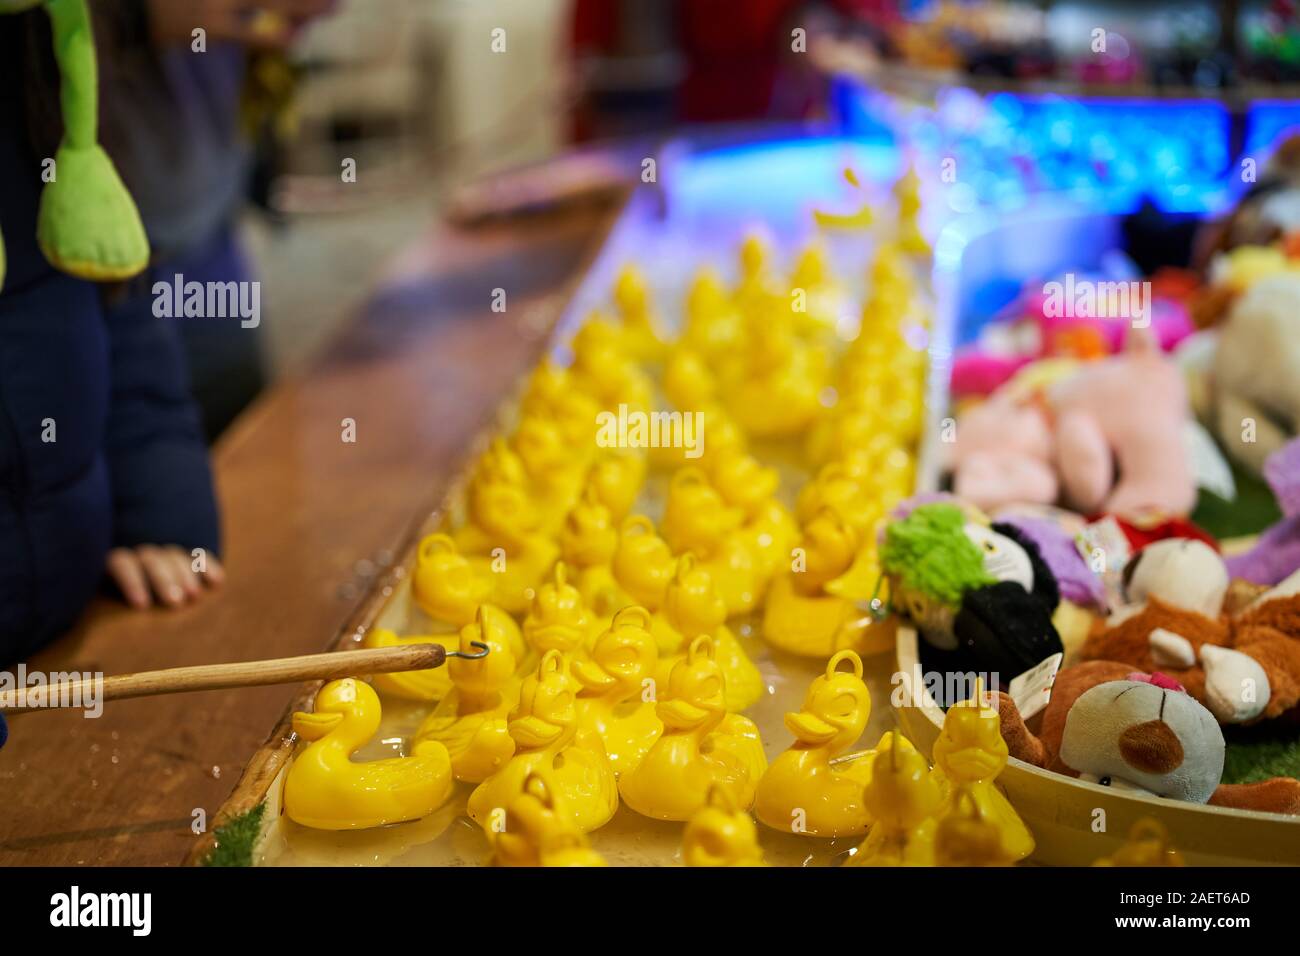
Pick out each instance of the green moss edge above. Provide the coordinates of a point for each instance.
(235, 839)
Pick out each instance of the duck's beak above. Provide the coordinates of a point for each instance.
(681, 713)
(810, 728)
(591, 675)
(532, 731)
(314, 726)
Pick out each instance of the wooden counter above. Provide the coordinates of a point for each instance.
(309, 520)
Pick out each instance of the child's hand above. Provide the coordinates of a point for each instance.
(166, 573)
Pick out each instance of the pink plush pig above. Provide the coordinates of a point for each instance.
(1126, 414)
(1003, 454)
(1110, 437)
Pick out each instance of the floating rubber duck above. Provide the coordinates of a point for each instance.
(543, 726)
(436, 683)
(712, 323)
(969, 754)
(428, 685)
(603, 369)
(907, 190)
(615, 479)
(966, 837)
(689, 383)
(643, 563)
(539, 831)
(553, 393)
(803, 791)
(555, 469)
(812, 608)
(588, 541)
(471, 720)
(1148, 844)
(446, 586)
(324, 789)
(757, 282)
(616, 700)
(902, 797)
(775, 383)
(846, 484)
(692, 606)
(720, 834)
(702, 745)
(632, 298)
(769, 530)
(697, 519)
(824, 300)
(504, 534)
(558, 619)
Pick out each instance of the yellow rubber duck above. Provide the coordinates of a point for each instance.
(616, 700)
(555, 469)
(689, 383)
(615, 479)
(803, 791)
(446, 586)
(969, 754)
(539, 831)
(719, 834)
(632, 298)
(435, 684)
(471, 720)
(643, 563)
(966, 837)
(712, 324)
(807, 611)
(697, 519)
(776, 389)
(588, 541)
(824, 299)
(1148, 844)
(701, 745)
(603, 369)
(553, 393)
(326, 790)
(757, 282)
(902, 797)
(544, 725)
(504, 533)
(846, 485)
(907, 190)
(558, 619)
(692, 606)
(769, 530)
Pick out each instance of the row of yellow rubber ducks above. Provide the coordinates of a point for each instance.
(624, 682)
(581, 737)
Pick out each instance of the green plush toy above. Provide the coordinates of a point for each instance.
(87, 225)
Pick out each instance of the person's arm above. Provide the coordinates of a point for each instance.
(166, 533)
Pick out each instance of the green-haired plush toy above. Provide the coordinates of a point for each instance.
(980, 594)
(87, 225)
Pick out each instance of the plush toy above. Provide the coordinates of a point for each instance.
(1030, 330)
(1277, 552)
(1256, 372)
(980, 594)
(1243, 666)
(87, 224)
(1137, 732)
(1078, 437)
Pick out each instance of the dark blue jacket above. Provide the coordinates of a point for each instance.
(94, 370)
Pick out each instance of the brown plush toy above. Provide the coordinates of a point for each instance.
(1244, 666)
(1136, 732)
